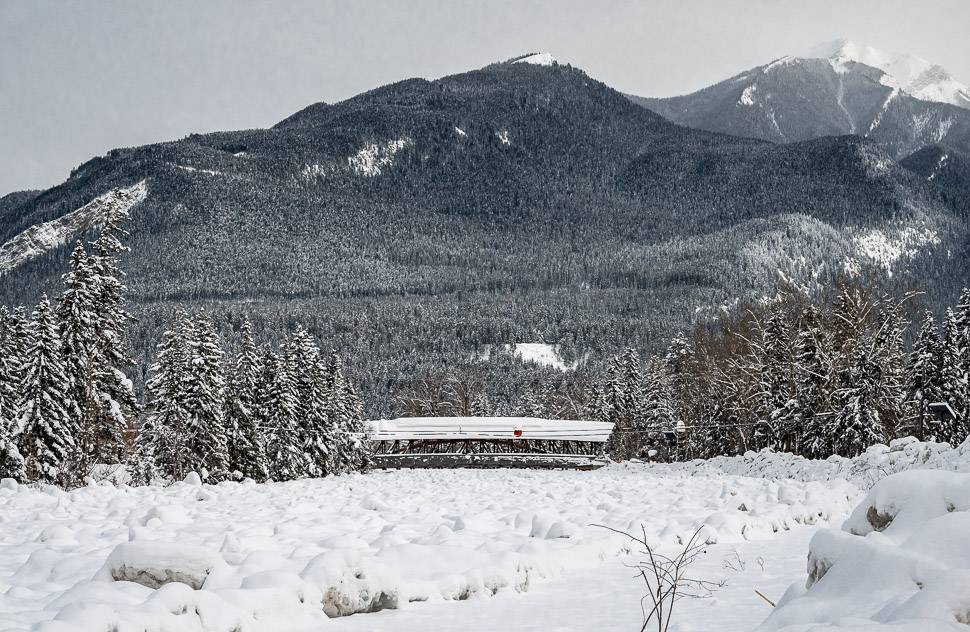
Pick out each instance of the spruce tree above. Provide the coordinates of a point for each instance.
(45, 432)
(77, 313)
(956, 382)
(346, 413)
(10, 372)
(163, 440)
(113, 391)
(204, 398)
(278, 410)
(247, 443)
(317, 437)
(860, 422)
(481, 406)
(924, 378)
(11, 461)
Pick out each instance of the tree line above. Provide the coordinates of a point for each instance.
(814, 375)
(67, 405)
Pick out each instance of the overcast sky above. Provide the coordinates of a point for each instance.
(79, 78)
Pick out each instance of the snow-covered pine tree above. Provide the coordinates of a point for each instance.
(204, 401)
(11, 461)
(777, 407)
(347, 415)
(656, 417)
(614, 393)
(278, 409)
(530, 403)
(814, 376)
(163, 444)
(316, 434)
(10, 380)
(247, 443)
(859, 422)
(355, 427)
(597, 408)
(113, 390)
(45, 432)
(77, 313)
(679, 371)
(887, 351)
(924, 378)
(481, 406)
(956, 382)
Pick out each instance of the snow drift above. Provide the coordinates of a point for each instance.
(902, 559)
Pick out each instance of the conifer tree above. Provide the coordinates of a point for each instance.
(317, 437)
(204, 398)
(77, 313)
(858, 424)
(10, 380)
(481, 406)
(163, 441)
(278, 410)
(11, 461)
(924, 383)
(247, 444)
(530, 404)
(45, 432)
(113, 391)
(346, 413)
(956, 382)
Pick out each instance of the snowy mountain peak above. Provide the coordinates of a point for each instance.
(538, 59)
(914, 75)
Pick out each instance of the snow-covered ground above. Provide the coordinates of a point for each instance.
(284, 556)
(465, 549)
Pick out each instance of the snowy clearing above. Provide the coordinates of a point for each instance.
(538, 59)
(289, 555)
(542, 354)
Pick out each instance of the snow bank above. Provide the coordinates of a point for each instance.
(285, 556)
(863, 471)
(901, 559)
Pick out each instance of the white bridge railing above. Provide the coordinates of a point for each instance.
(488, 429)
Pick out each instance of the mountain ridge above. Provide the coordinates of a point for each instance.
(414, 223)
(794, 99)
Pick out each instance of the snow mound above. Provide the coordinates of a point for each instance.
(902, 559)
(154, 564)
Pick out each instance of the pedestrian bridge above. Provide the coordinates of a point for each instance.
(488, 442)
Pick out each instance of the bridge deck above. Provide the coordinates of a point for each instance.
(489, 461)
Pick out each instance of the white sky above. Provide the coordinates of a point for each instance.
(78, 78)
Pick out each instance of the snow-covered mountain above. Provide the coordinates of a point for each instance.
(913, 75)
(845, 88)
(513, 203)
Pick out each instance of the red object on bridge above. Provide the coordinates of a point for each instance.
(517, 432)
